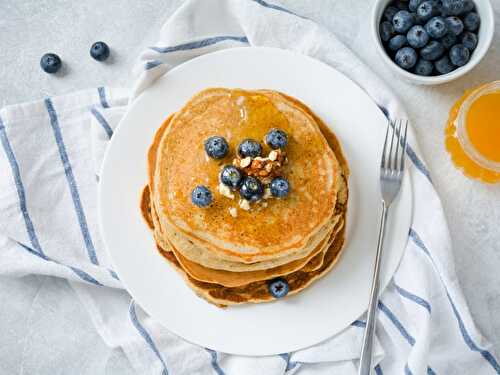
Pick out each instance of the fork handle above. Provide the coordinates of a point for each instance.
(365, 361)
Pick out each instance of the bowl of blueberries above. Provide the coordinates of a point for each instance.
(432, 41)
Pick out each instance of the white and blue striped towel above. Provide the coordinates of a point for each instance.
(49, 162)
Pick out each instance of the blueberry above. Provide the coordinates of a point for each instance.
(433, 51)
(401, 4)
(249, 147)
(278, 287)
(389, 13)
(455, 25)
(386, 31)
(216, 147)
(448, 40)
(406, 57)
(436, 27)
(472, 21)
(413, 5)
(402, 21)
(280, 187)
(469, 6)
(427, 10)
(443, 65)
(417, 36)
(50, 63)
(99, 51)
(276, 138)
(454, 7)
(424, 67)
(231, 176)
(397, 42)
(469, 40)
(201, 196)
(459, 55)
(251, 189)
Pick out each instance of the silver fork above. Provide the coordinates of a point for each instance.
(391, 174)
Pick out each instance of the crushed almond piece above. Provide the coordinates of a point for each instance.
(264, 204)
(267, 193)
(245, 162)
(244, 204)
(225, 191)
(273, 155)
(233, 211)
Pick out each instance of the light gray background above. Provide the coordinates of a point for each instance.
(30, 28)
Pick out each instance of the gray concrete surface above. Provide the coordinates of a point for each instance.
(29, 28)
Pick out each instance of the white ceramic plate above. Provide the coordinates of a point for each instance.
(330, 304)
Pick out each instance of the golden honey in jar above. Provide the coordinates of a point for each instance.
(472, 134)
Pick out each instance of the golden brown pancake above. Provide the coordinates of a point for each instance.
(286, 226)
(214, 272)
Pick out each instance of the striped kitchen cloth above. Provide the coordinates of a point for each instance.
(49, 173)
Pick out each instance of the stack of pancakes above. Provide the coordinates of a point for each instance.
(227, 253)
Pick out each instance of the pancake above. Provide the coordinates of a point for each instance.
(189, 250)
(286, 226)
(213, 269)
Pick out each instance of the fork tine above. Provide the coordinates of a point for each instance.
(404, 148)
(391, 155)
(396, 155)
(384, 151)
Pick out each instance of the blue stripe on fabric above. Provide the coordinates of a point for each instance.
(412, 297)
(81, 274)
(277, 7)
(359, 323)
(396, 322)
(430, 371)
(145, 335)
(102, 97)
(114, 275)
(215, 364)
(378, 370)
(407, 370)
(102, 121)
(409, 151)
(463, 330)
(200, 43)
(152, 64)
(21, 193)
(290, 365)
(54, 122)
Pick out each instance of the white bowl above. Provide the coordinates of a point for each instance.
(485, 36)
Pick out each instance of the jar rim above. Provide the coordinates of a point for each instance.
(460, 125)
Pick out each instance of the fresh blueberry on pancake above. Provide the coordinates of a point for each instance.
(201, 196)
(231, 176)
(278, 288)
(276, 138)
(249, 147)
(280, 187)
(251, 189)
(216, 147)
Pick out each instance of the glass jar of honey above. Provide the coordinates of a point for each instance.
(472, 134)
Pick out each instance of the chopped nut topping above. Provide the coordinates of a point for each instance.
(225, 191)
(244, 204)
(233, 211)
(264, 204)
(267, 193)
(273, 155)
(245, 162)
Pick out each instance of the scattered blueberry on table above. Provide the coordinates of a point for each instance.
(50, 63)
(99, 51)
(201, 196)
(430, 37)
